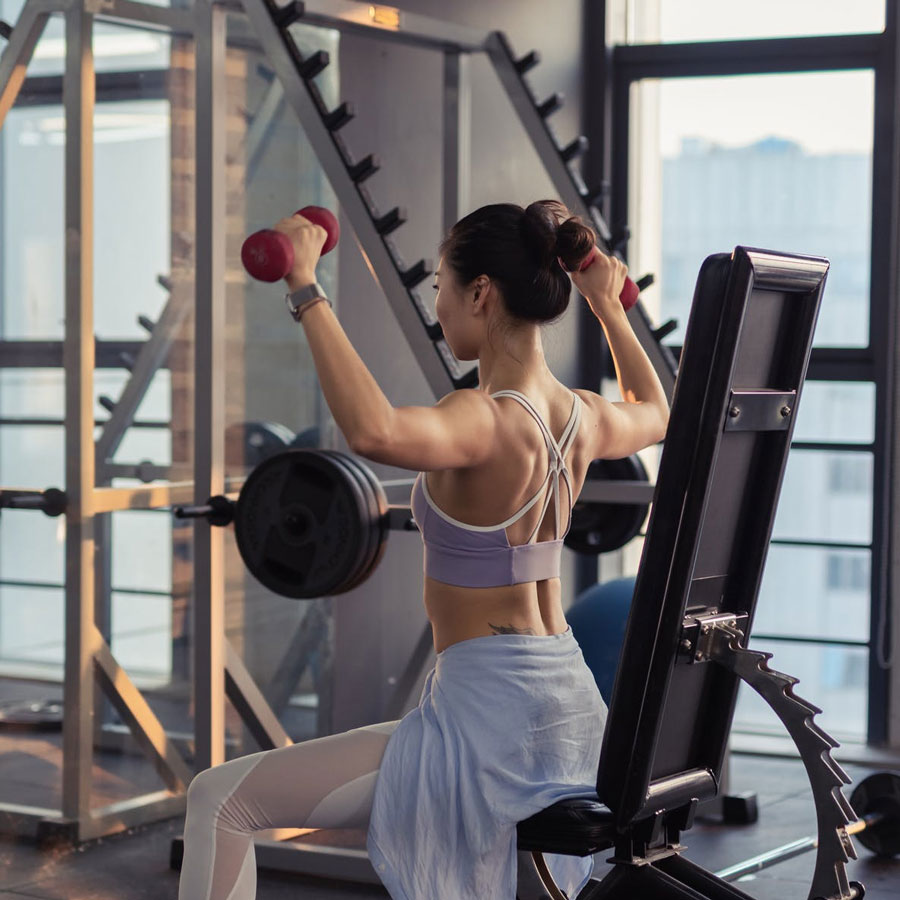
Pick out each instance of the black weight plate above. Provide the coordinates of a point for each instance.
(301, 524)
(247, 444)
(370, 548)
(308, 437)
(384, 524)
(603, 527)
(40, 715)
(380, 521)
(355, 471)
(879, 793)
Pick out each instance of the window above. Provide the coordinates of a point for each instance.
(667, 21)
(716, 146)
(849, 475)
(784, 163)
(847, 573)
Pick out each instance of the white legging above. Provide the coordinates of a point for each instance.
(324, 783)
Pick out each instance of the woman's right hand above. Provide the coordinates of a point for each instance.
(601, 283)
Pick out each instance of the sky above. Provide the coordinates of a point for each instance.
(826, 112)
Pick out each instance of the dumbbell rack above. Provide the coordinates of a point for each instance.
(348, 173)
(88, 469)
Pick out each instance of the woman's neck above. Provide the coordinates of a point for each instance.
(517, 361)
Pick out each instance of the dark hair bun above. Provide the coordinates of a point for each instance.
(553, 233)
(518, 249)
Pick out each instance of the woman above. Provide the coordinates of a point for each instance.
(510, 719)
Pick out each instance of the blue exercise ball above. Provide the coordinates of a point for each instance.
(598, 618)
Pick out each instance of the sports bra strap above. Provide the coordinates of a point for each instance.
(557, 463)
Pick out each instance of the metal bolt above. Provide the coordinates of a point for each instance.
(734, 412)
(698, 656)
(785, 411)
(704, 629)
(686, 644)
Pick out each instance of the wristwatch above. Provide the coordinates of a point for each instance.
(297, 300)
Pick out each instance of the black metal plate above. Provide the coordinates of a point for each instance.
(879, 793)
(377, 506)
(603, 527)
(302, 525)
(247, 444)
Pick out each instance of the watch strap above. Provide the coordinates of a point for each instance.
(297, 300)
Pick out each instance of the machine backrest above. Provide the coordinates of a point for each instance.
(747, 348)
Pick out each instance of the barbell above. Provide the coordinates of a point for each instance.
(311, 523)
(876, 802)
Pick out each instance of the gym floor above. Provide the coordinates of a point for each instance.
(135, 865)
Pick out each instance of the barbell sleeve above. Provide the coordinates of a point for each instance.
(218, 510)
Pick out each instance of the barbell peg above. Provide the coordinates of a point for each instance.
(528, 61)
(218, 510)
(574, 149)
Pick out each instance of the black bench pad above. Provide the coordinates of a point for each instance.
(574, 827)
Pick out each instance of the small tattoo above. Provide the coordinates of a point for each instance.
(510, 629)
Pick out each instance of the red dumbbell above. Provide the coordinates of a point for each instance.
(630, 291)
(269, 256)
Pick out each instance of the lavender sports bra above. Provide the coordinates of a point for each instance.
(481, 555)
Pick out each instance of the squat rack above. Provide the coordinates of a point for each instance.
(218, 669)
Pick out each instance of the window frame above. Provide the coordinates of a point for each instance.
(606, 123)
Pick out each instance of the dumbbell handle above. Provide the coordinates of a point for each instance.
(630, 290)
(268, 255)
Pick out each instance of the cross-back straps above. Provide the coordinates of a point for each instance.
(557, 467)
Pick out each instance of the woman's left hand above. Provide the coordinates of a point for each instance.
(307, 239)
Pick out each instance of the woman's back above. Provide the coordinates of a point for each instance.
(493, 492)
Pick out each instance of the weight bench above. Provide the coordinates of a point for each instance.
(745, 356)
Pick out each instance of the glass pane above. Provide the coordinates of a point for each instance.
(32, 393)
(131, 215)
(783, 164)
(140, 445)
(711, 20)
(833, 678)
(128, 138)
(32, 547)
(826, 497)
(31, 252)
(32, 457)
(142, 550)
(837, 411)
(157, 400)
(32, 630)
(116, 48)
(121, 49)
(815, 592)
(142, 636)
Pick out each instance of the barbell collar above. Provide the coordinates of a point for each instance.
(51, 502)
(218, 511)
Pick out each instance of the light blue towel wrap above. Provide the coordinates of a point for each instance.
(507, 725)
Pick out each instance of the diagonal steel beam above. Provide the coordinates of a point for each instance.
(261, 127)
(151, 357)
(434, 357)
(571, 189)
(248, 700)
(140, 718)
(306, 639)
(17, 54)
